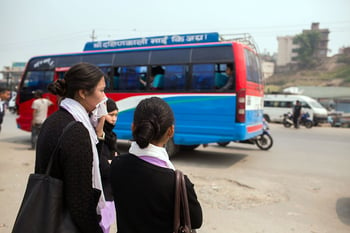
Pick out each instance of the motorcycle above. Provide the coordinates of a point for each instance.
(263, 141)
(305, 120)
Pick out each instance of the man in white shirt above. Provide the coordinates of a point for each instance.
(40, 106)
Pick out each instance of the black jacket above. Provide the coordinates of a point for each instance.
(106, 151)
(73, 166)
(144, 196)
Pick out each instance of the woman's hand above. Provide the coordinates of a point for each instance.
(99, 126)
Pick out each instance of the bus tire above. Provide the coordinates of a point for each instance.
(188, 147)
(171, 148)
(223, 144)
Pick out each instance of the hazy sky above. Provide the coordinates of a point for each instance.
(36, 27)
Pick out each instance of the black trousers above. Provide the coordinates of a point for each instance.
(35, 133)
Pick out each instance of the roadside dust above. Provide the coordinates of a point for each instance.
(226, 194)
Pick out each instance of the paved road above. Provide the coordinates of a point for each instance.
(300, 185)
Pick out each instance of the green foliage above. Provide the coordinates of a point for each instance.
(308, 42)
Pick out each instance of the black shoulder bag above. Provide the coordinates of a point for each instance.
(182, 219)
(42, 209)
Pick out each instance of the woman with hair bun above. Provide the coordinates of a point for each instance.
(77, 162)
(143, 181)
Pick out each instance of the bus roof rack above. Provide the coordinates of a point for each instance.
(244, 38)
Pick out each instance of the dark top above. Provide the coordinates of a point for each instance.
(144, 196)
(230, 85)
(73, 165)
(106, 150)
(2, 113)
(297, 110)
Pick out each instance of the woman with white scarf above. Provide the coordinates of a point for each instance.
(143, 181)
(77, 163)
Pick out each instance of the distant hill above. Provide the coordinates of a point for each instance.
(330, 73)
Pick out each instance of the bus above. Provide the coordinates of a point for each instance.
(186, 70)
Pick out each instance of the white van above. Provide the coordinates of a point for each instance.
(275, 105)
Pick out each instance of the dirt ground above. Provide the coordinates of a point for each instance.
(241, 189)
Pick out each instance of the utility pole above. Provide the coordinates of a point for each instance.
(93, 36)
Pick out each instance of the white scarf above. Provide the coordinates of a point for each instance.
(151, 151)
(80, 114)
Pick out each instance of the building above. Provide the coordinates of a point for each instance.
(285, 50)
(286, 46)
(11, 75)
(322, 47)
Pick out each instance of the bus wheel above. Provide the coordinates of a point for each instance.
(188, 147)
(171, 148)
(223, 143)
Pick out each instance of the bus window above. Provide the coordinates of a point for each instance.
(130, 77)
(107, 70)
(252, 66)
(156, 81)
(114, 76)
(220, 76)
(203, 77)
(60, 75)
(35, 80)
(38, 80)
(175, 77)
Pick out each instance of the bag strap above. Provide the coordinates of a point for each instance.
(185, 206)
(65, 129)
(181, 204)
(177, 200)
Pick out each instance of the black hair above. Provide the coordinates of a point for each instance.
(111, 105)
(38, 93)
(4, 89)
(83, 76)
(230, 65)
(157, 70)
(152, 117)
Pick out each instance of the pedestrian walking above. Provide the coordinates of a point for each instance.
(40, 106)
(4, 97)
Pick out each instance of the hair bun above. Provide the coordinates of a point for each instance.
(58, 87)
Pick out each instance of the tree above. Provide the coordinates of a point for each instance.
(308, 47)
